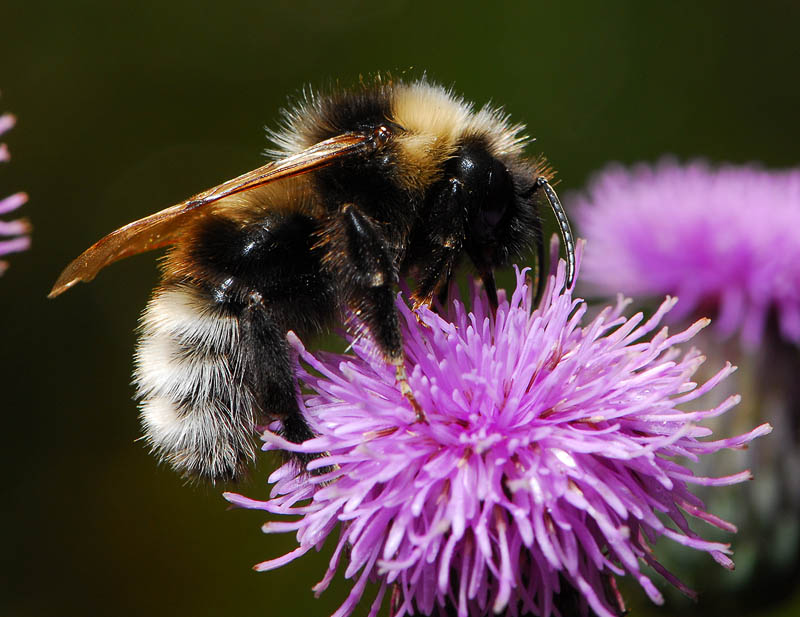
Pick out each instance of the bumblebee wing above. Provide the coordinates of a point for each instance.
(164, 227)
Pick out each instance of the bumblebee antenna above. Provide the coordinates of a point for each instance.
(563, 227)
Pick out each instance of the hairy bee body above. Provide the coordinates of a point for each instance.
(212, 352)
(390, 180)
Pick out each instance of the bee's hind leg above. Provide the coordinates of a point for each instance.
(269, 373)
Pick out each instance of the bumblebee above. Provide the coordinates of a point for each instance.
(391, 179)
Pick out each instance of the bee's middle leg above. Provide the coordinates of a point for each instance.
(362, 259)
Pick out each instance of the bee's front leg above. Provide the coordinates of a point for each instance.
(361, 258)
(437, 249)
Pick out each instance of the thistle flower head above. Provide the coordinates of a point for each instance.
(542, 466)
(723, 239)
(13, 234)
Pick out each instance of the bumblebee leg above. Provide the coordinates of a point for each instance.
(267, 365)
(435, 276)
(370, 277)
(487, 278)
(438, 251)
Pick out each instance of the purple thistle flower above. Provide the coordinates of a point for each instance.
(545, 457)
(13, 234)
(724, 240)
(721, 239)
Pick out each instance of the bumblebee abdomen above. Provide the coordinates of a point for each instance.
(213, 359)
(197, 411)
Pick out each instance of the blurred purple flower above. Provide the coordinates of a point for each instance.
(724, 240)
(13, 236)
(545, 458)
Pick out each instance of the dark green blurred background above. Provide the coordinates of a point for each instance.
(126, 108)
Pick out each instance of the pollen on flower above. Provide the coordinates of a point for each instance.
(546, 467)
